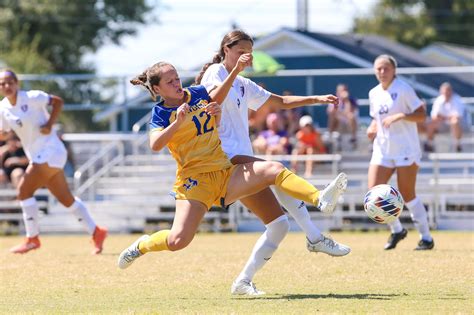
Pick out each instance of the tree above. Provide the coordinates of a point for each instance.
(51, 36)
(420, 22)
(63, 31)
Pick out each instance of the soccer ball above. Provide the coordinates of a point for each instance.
(383, 203)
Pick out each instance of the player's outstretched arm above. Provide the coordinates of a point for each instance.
(293, 101)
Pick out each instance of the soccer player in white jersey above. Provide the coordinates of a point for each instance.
(396, 109)
(245, 94)
(25, 112)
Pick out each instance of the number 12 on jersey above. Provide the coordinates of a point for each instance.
(202, 128)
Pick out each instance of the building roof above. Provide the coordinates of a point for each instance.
(455, 55)
(361, 50)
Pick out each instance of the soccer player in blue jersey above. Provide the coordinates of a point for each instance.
(186, 122)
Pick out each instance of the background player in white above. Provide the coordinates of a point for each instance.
(25, 112)
(447, 108)
(395, 110)
(244, 94)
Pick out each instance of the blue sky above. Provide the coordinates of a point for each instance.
(190, 31)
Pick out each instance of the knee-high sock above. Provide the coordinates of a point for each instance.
(395, 226)
(297, 187)
(299, 212)
(265, 247)
(157, 242)
(420, 218)
(30, 216)
(80, 211)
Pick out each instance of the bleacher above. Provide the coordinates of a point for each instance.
(11, 218)
(127, 188)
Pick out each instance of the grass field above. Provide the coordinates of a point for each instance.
(62, 277)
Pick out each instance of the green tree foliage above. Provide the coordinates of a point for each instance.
(65, 30)
(420, 22)
(51, 36)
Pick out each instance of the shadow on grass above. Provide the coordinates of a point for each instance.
(362, 296)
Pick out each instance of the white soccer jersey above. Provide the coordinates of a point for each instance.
(453, 107)
(26, 118)
(400, 140)
(244, 95)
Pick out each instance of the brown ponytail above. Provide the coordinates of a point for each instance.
(230, 39)
(150, 77)
(217, 59)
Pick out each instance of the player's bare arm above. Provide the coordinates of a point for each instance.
(219, 93)
(57, 103)
(372, 130)
(159, 138)
(293, 101)
(419, 115)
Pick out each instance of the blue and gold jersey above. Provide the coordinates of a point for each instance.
(195, 146)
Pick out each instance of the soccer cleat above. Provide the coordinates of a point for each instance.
(329, 196)
(395, 238)
(98, 238)
(328, 246)
(425, 245)
(245, 287)
(29, 244)
(128, 255)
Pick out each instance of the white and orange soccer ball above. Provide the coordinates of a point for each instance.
(383, 203)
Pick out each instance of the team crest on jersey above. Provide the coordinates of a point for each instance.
(242, 90)
(394, 96)
(18, 122)
(190, 183)
(24, 108)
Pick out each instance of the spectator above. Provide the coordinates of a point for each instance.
(274, 140)
(308, 142)
(343, 117)
(447, 108)
(14, 161)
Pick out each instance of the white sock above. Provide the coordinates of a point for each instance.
(265, 247)
(80, 211)
(30, 216)
(395, 226)
(298, 210)
(420, 218)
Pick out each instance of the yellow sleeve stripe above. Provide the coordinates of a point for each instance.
(156, 129)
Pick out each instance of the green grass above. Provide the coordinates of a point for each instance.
(62, 277)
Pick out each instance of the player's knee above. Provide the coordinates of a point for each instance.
(24, 192)
(277, 229)
(178, 241)
(17, 173)
(274, 168)
(407, 194)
